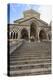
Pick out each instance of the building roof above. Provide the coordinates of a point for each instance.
(31, 11)
(25, 19)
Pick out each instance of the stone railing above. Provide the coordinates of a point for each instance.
(15, 44)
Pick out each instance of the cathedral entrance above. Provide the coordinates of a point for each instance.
(24, 34)
(32, 32)
(42, 35)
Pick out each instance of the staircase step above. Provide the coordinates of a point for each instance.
(31, 71)
(28, 58)
(31, 58)
(21, 65)
(30, 61)
(44, 55)
(30, 66)
(30, 53)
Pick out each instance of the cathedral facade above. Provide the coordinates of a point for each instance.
(29, 51)
(30, 27)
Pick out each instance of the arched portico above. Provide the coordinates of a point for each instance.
(16, 35)
(11, 35)
(33, 31)
(49, 35)
(42, 35)
(24, 34)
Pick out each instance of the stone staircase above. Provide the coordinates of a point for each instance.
(32, 58)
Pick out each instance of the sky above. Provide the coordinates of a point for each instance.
(16, 11)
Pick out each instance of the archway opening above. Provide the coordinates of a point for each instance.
(13, 35)
(49, 36)
(42, 35)
(16, 35)
(33, 32)
(24, 34)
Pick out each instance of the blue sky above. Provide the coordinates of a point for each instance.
(16, 11)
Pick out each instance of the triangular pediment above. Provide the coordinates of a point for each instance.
(27, 21)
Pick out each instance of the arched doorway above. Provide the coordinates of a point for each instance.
(33, 32)
(16, 35)
(13, 35)
(24, 34)
(42, 35)
(49, 35)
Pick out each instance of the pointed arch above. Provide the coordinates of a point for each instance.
(13, 35)
(16, 35)
(33, 30)
(42, 35)
(24, 34)
(49, 35)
